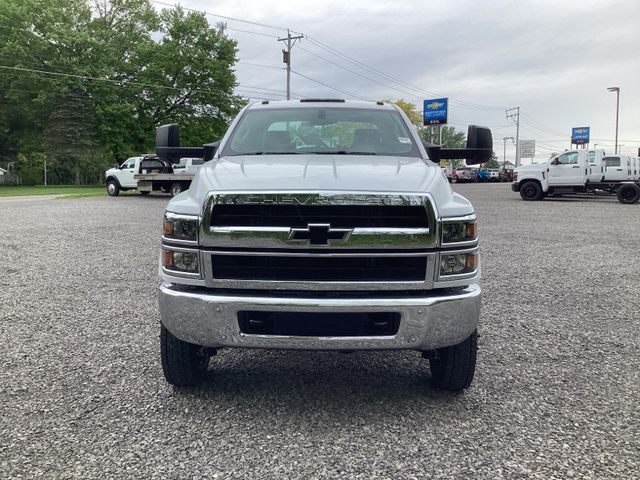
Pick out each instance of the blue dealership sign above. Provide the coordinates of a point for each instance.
(580, 135)
(434, 111)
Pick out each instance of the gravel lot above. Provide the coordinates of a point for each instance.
(556, 392)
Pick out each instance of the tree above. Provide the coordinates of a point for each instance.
(92, 79)
(410, 110)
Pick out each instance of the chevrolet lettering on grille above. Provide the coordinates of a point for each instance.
(319, 234)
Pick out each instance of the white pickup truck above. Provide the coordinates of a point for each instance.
(578, 171)
(148, 173)
(293, 238)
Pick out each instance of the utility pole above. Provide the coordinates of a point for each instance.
(514, 114)
(504, 152)
(45, 171)
(286, 57)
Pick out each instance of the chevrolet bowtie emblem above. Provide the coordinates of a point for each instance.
(319, 234)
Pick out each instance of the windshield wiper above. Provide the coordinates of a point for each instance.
(264, 153)
(345, 152)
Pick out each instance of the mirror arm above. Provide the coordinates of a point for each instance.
(174, 154)
(210, 150)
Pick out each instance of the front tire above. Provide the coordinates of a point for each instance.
(184, 364)
(176, 188)
(113, 187)
(531, 191)
(452, 368)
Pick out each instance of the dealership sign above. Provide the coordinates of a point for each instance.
(580, 135)
(434, 111)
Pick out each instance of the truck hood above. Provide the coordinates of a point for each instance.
(534, 167)
(319, 172)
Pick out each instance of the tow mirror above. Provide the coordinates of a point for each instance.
(479, 147)
(168, 146)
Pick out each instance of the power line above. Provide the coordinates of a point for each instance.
(128, 82)
(329, 86)
(358, 74)
(460, 103)
(225, 17)
(259, 65)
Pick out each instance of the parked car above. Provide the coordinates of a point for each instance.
(466, 175)
(505, 175)
(450, 173)
(483, 175)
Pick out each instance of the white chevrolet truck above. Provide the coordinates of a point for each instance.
(579, 171)
(321, 225)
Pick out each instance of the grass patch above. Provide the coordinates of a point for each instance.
(60, 190)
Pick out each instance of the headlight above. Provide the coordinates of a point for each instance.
(178, 227)
(458, 263)
(453, 232)
(180, 261)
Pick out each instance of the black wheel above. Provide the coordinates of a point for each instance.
(184, 364)
(145, 193)
(452, 368)
(176, 188)
(628, 193)
(531, 191)
(113, 187)
(164, 189)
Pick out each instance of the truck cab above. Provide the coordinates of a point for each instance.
(121, 178)
(321, 224)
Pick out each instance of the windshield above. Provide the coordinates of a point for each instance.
(321, 130)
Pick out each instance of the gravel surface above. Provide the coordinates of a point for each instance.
(556, 392)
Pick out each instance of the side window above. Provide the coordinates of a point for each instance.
(592, 157)
(568, 158)
(612, 161)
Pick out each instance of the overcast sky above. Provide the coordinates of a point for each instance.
(554, 59)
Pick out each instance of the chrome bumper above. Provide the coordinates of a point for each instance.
(207, 318)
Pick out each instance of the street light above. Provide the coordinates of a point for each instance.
(617, 90)
(504, 153)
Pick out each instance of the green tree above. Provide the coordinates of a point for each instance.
(92, 79)
(410, 110)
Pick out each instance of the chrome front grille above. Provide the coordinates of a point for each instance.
(319, 241)
(266, 220)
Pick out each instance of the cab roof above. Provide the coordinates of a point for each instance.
(322, 102)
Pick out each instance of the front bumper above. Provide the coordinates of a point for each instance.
(206, 317)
